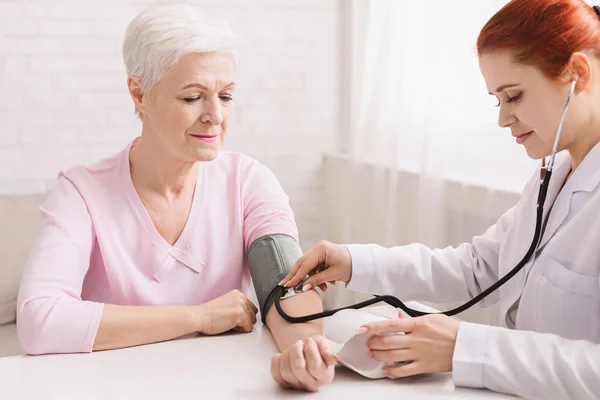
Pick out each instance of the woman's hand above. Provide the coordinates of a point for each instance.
(232, 311)
(426, 346)
(306, 365)
(326, 262)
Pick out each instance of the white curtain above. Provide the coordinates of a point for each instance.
(419, 102)
(417, 105)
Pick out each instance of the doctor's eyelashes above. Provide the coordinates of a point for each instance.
(512, 99)
(515, 98)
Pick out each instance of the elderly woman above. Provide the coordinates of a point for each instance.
(154, 242)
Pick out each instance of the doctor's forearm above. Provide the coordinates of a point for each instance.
(416, 272)
(529, 364)
(285, 333)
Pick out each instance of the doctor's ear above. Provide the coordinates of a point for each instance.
(579, 68)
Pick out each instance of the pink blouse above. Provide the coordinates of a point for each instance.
(97, 244)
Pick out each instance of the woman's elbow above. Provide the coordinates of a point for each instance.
(33, 317)
(31, 345)
(41, 327)
(29, 328)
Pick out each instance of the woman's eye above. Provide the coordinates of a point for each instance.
(515, 98)
(510, 99)
(191, 99)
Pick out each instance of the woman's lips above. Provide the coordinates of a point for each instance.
(522, 138)
(207, 138)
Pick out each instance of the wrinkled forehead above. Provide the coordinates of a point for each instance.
(211, 69)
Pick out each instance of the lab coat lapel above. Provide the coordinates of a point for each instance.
(585, 178)
(558, 198)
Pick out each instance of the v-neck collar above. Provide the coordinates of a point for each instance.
(179, 249)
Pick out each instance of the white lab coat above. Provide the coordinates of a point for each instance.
(551, 307)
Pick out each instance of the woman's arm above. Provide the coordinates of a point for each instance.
(125, 326)
(271, 242)
(285, 333)
(51, 315)
(53, 318)
(529, 364)
(306, 360)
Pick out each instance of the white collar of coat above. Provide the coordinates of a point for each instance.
(585, 178)
(587, 175)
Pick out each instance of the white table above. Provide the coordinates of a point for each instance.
(230, 366)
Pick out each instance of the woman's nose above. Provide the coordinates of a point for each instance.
(212, 113)
(505, 118)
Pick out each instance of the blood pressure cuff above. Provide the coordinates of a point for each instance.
(270, 259)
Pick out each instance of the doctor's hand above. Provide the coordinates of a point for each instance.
(306, 365)
(326, 262)
(427, 344)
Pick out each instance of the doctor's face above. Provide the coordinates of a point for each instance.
(529, 103)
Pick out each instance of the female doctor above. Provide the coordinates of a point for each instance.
(547, 344)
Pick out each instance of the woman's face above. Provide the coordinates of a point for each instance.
(531, 104)
(188, 110)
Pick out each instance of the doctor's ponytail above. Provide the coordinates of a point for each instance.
(543, 33)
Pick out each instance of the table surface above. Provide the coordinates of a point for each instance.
(229, 366)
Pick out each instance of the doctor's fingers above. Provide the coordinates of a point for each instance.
(405, 325)
(304, 265)
(320, 268)
(298, 367)
(397, 355)
(320, 277)
(390, 342)
(295, 269)
(401, 371)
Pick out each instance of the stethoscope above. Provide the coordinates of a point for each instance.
(280, 291)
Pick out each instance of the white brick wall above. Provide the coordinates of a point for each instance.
(63, 98)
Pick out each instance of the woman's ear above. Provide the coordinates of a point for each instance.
(579, 67)
(137, 94)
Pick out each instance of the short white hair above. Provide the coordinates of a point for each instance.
(159, 36)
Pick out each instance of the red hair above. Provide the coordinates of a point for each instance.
(542, 33)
